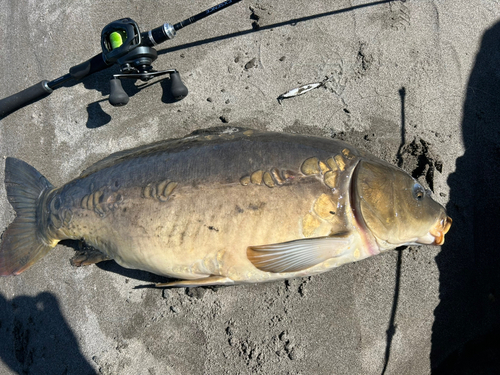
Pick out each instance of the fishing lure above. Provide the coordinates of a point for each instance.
(301, 90)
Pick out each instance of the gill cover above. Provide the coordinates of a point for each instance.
(395, 207)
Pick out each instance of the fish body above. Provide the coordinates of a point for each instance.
(223, 207)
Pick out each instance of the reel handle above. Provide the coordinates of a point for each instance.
(118, 97)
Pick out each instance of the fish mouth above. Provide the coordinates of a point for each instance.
(439, 229)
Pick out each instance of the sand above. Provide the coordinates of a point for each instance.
(420, 76)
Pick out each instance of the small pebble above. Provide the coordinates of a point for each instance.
(251, 64)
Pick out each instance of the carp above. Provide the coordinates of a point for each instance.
(221, 207)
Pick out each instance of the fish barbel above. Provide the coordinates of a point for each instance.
(223, 207)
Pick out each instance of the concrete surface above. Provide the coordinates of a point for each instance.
(432, 66)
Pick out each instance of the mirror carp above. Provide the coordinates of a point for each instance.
(223, 206)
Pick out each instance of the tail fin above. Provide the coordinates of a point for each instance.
(22, 244)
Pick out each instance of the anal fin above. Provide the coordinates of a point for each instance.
(211, 280)
(88, 257)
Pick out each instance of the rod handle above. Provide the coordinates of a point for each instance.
(94, 65)
(22, 98)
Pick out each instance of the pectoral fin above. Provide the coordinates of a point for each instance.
(298, 255)
(211, 280)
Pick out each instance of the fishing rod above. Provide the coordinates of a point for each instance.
(124, 44)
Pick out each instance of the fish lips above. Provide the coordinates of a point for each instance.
(437, 232)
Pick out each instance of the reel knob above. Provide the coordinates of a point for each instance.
(178, 89)
(117, 96)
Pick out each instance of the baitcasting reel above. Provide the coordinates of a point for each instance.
(121, 44)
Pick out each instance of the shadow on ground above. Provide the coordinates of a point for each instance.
(35, 338)
(465, 335)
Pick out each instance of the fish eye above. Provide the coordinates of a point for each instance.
(418, 192)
